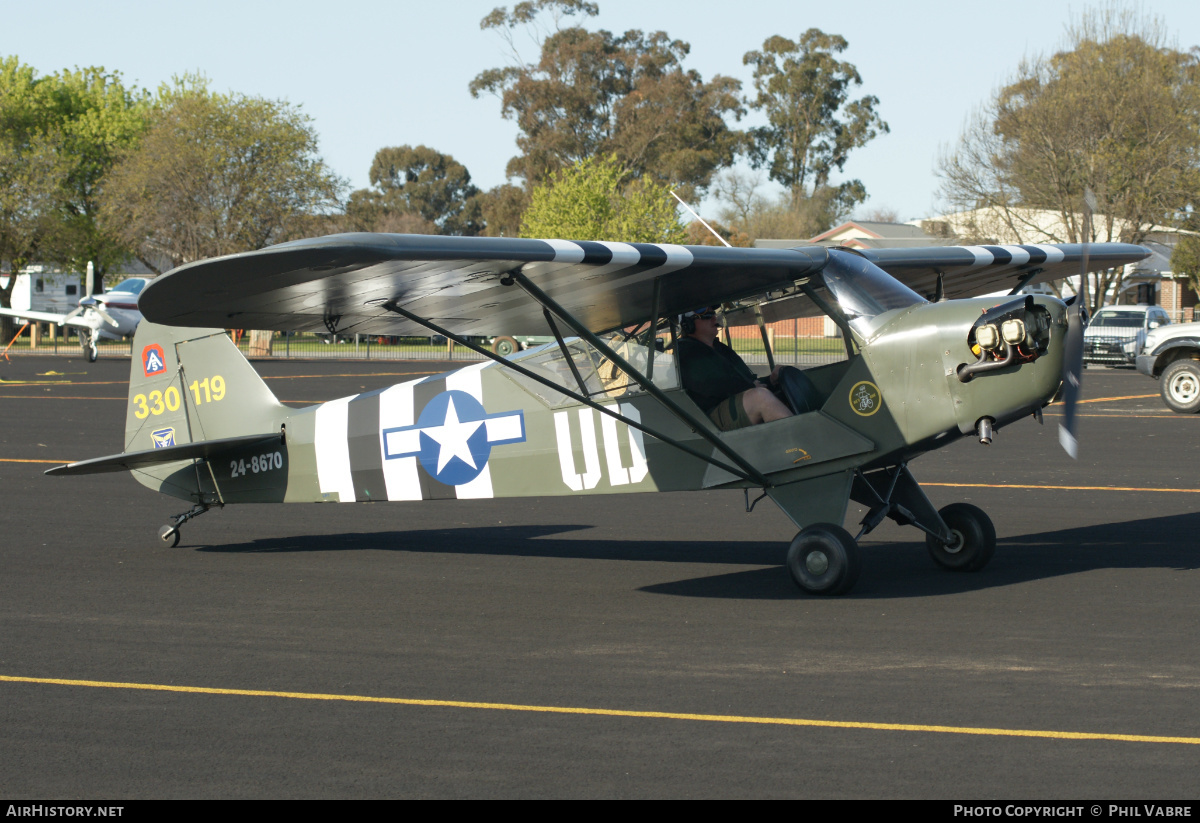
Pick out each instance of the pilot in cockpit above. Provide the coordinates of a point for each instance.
(719, 381)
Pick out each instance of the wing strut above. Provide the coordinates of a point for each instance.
(753, 475)
(651, 389)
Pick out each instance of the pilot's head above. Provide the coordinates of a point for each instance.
(687, 320)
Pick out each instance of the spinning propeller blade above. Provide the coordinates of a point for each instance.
(1073, 354)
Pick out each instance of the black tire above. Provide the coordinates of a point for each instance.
(1180, 386)
(976, 539)
(168, 536)
(504, 346)
(823, 559)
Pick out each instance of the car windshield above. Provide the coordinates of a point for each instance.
(134, 284)
(1118, 319)
(864, 291)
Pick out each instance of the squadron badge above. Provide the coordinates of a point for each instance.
(865, 398)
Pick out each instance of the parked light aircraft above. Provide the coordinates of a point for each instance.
(601, 410)
(112, 315)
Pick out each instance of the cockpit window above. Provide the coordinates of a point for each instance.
(134, 284)
(864, 291)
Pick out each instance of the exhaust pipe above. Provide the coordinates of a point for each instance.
(984, 429)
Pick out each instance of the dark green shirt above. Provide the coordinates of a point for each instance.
(712, 374)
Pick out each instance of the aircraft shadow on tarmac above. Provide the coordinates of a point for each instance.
(891, 569)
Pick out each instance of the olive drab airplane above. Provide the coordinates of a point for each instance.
(601, 410)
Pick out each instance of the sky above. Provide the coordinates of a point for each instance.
(374, 74)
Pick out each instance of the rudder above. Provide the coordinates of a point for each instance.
(188, 385)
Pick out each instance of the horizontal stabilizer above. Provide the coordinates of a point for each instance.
(129, 461)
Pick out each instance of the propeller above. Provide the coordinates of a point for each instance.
(88, 302)
(1073, 354)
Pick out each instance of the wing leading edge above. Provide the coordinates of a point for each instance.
(339, 283)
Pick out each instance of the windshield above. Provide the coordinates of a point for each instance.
(863, 290)
(132, 285)
(1118, 319)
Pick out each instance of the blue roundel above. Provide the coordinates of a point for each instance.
(454, 438)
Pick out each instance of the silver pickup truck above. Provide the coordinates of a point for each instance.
(1171, 355)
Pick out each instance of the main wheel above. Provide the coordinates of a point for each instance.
(823, 559)
(1180, 386)
(974, 540)
(504, 346)
(169, 536)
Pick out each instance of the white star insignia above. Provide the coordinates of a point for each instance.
(452, 437)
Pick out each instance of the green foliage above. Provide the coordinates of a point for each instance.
(217, 174)
(418, 182)
(1186, 260)
(812, 124)
(59, 136)
(598, 199)
(595, 93)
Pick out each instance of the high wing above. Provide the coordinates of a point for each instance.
(973, 270)
(340, 283)
(969, 271)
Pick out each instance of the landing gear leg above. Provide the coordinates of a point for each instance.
(960, 537)
(87, 344)
(169, 535)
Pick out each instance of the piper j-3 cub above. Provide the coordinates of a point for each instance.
(601, 410)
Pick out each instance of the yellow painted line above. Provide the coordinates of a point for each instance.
(64, 382)
(707, 718)
(1152, 416)
(18, 460)
(1126, 397)
(53, 397)
(365, 374)
(1060, 488)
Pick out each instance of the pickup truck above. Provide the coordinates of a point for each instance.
(1171, 355)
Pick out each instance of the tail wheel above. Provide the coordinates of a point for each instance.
(504, 346)
(1180, 386)
(168, 536)
(973, 543)
(823, 559)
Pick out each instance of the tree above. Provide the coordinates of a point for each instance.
(422, 183)
(598, 199)
(216, 174)
(592, 93)
(1117, 111)
(812, 125)
(32, 174)
(96, 118)
(58, 137)
(1185, 260)
(787, 217)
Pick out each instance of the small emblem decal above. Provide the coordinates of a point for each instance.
(865, 398)
(801, 455)
(153, 360)
(163, 438)
(453, 437)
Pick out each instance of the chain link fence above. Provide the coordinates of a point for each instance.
(794, 342)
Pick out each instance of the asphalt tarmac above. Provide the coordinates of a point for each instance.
(626, 646)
